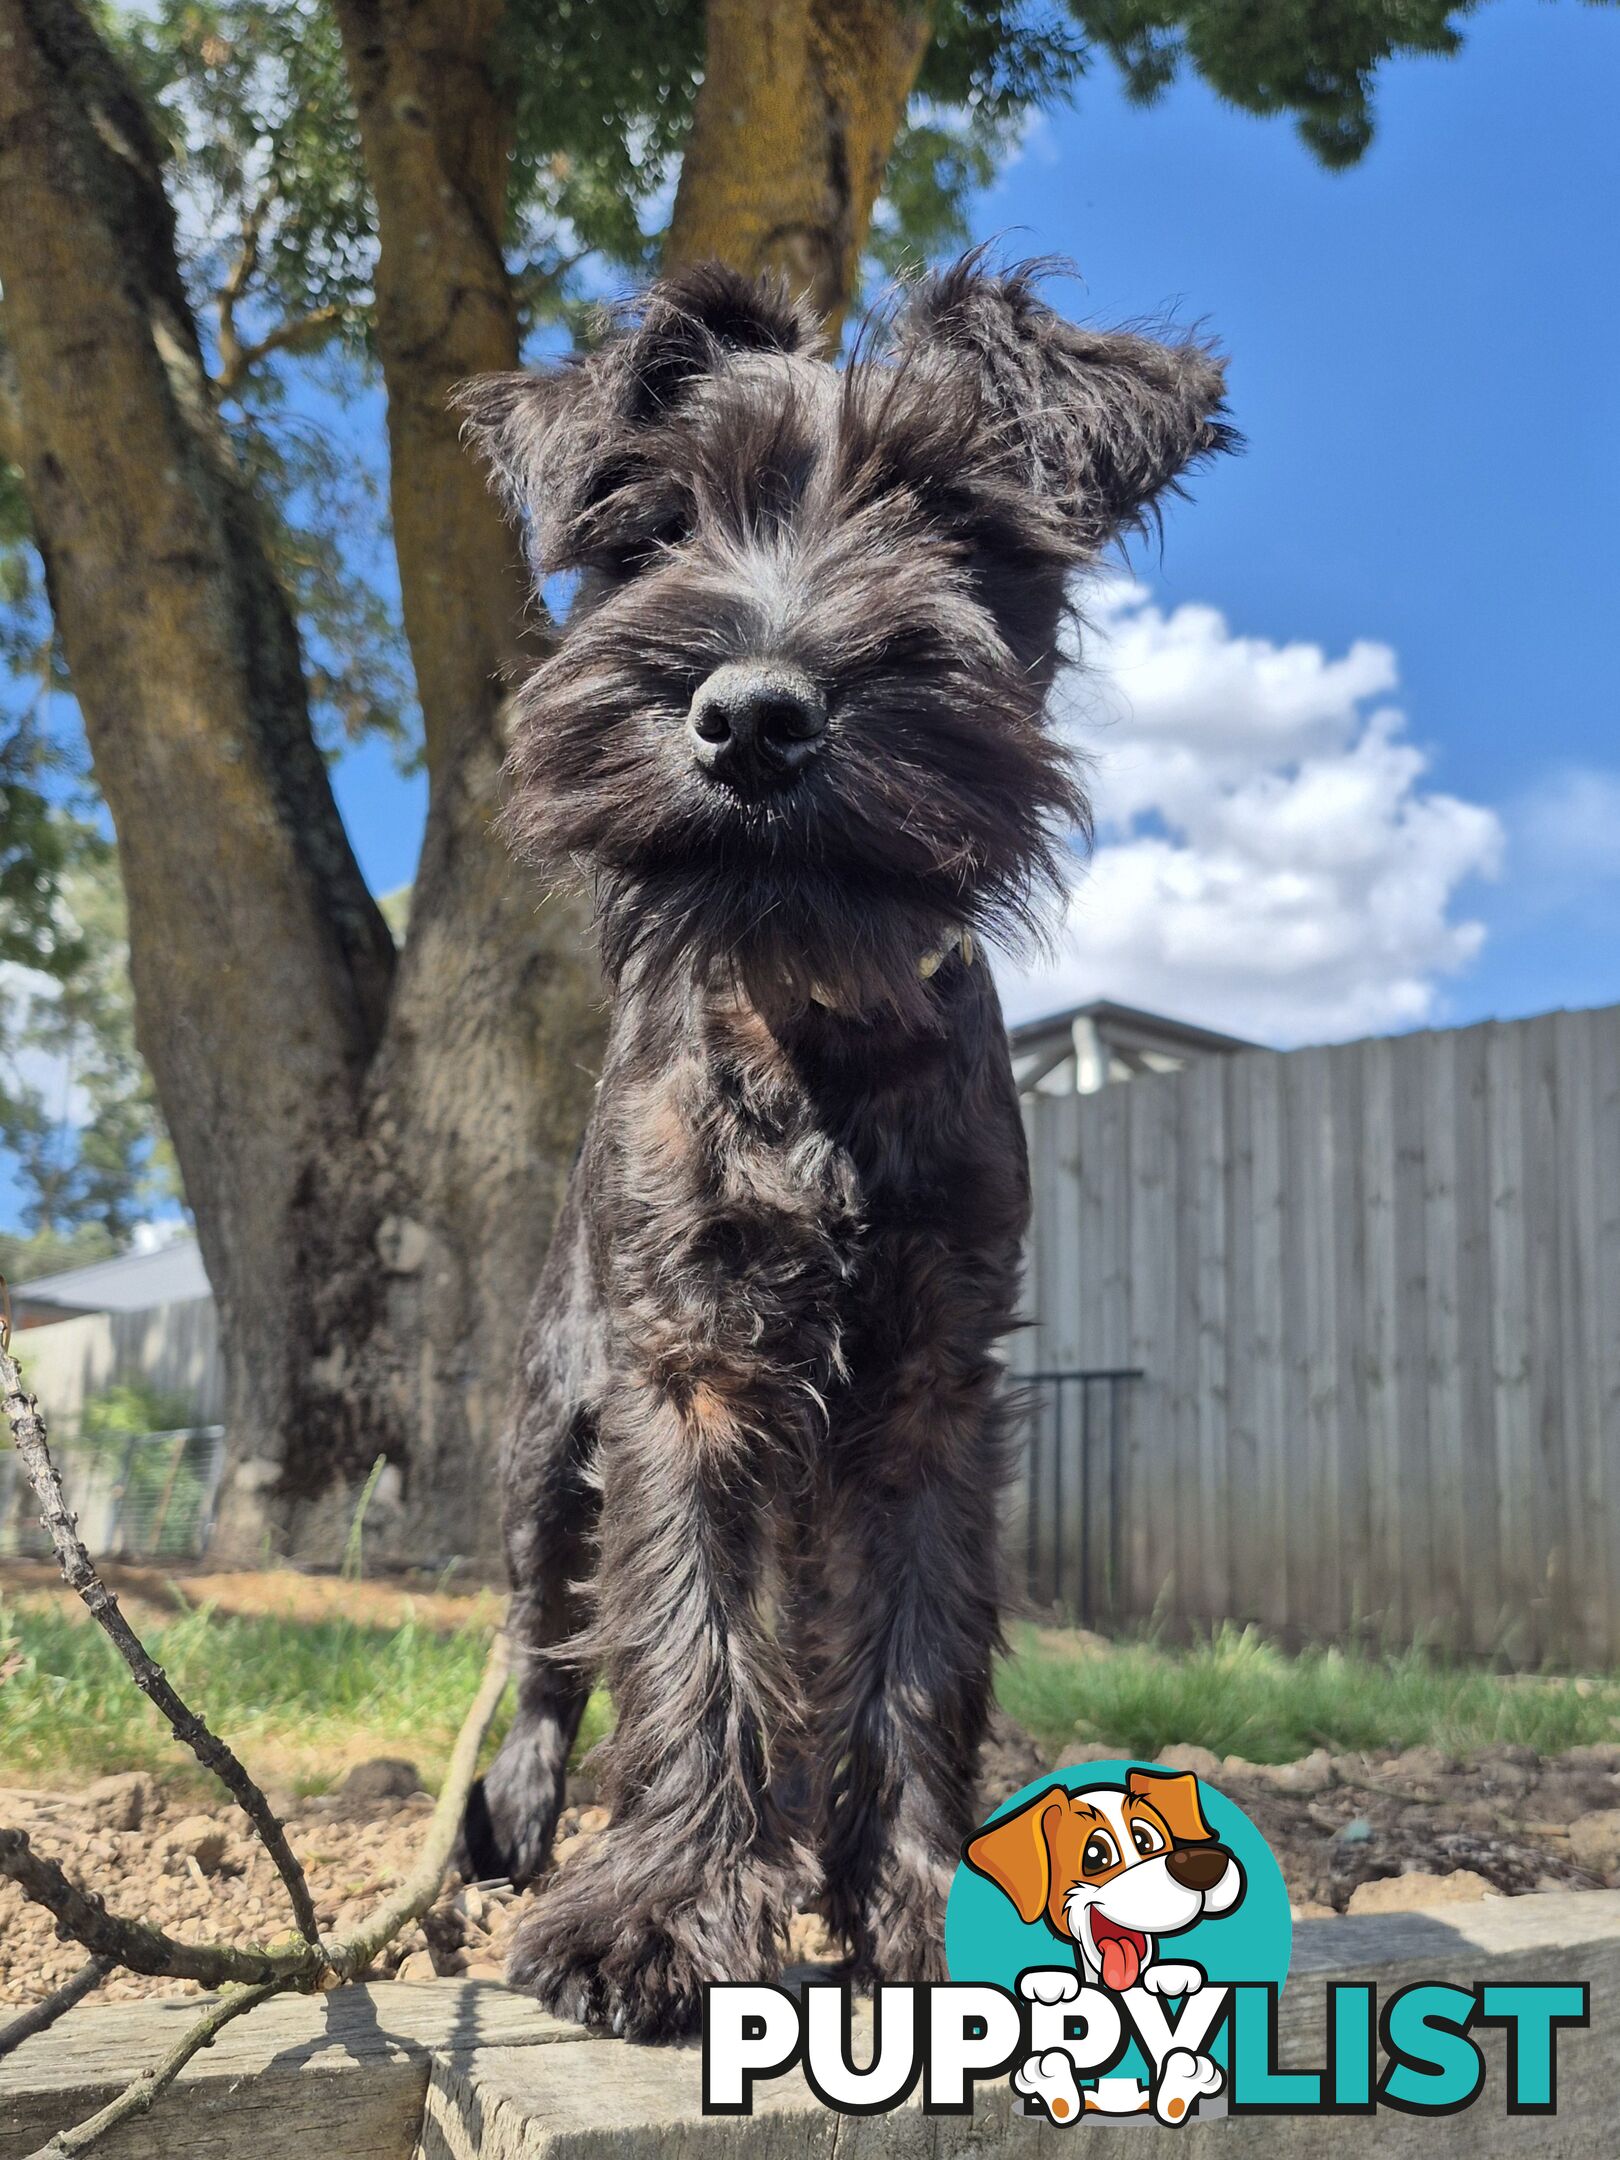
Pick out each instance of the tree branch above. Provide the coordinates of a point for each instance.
(237, 361)
(794, 122)
(236, 281)
(41, 2016)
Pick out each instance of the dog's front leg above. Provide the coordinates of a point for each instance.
(692, 1881)
(913, 1633)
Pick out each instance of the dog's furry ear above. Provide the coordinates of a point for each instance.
(1100, 423)
(545, 435)
(689, 323)
(1015, 1856)
(1174, 1793)
(518, 422)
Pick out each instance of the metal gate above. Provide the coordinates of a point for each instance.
(1077, 1432)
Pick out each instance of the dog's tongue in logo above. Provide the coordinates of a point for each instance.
(1122, 1950)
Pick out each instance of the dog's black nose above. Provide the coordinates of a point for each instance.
(1197, 1867)
(755, 724)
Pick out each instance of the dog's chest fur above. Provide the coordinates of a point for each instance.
(765, 1181)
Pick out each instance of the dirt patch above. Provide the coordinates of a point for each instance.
(201, 1875)
(1420, 1826)
(281, 1594)
(1506, 1817)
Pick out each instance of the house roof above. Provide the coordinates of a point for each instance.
(1087, 1046)
(171, 1275)
(1127, 1024)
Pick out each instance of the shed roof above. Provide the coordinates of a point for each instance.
(171, 1274)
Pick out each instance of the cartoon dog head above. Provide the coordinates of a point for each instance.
(1110, 1870)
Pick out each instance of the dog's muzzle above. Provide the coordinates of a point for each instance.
(755, 725)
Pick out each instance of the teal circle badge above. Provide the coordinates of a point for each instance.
(1121, 1896)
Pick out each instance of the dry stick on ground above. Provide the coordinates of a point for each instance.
(342, 1958)
(307, 1964)
(138, 2096)
(79, 1573)
(351, 1955)
(41, 2016)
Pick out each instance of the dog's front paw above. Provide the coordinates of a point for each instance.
(1185, 2079)
(1050, 1984)
(639, 1968)
(638, 1981)
(1173, 1979)
(634, 1975)
(512, 1810)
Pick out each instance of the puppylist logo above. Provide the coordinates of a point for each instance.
(1118, 1938)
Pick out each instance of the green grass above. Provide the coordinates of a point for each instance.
(1238, 1694)
(300, 1698)
(297, 1698)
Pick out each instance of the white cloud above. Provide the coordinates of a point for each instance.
(1269, 861)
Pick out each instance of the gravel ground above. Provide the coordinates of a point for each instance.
(1352, 1833)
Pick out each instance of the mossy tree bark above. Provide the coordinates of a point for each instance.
(795, 119)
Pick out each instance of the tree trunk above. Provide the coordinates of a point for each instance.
(484, 1077)
(795, 119)
(261, 965)
(374, 1152)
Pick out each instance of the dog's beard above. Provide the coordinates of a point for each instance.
(790, 942)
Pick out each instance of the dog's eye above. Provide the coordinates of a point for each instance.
(632, 524)
(1146, 1839)
(641, 546)
(1099, 1855)
(672, 528)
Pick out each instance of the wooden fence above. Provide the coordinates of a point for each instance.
(1373, 1293)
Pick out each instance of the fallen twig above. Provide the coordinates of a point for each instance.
(139, 2094)
(341, 1958)
(79, 1573)
(135, 1944)
(306, 1963)
(416, 1893)
(41, 2016)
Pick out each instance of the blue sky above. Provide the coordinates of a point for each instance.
(1422, 362)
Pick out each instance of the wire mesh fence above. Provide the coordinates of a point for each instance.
(138, 1496)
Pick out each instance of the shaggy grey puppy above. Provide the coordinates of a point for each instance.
(795, 736)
